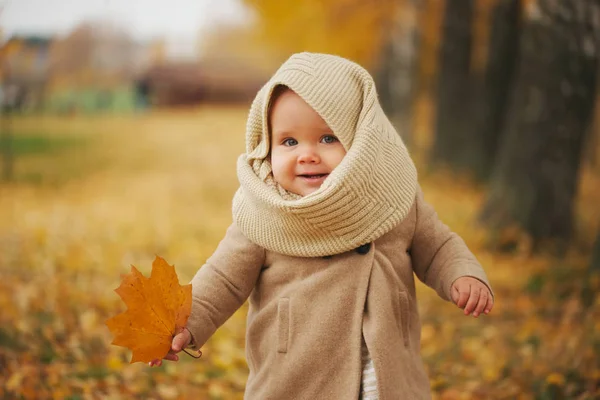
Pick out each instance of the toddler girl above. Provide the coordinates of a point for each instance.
(330, 227)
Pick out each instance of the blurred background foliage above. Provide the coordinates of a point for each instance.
(115, 149)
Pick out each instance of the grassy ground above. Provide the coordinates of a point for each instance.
(124, 189)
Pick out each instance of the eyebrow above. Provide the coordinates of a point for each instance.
(326, 131)
(280, 133)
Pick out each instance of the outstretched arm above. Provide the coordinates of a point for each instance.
(223, 284)
(219, 288)
(442, 260)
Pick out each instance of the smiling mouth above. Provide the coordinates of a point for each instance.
(313, 177)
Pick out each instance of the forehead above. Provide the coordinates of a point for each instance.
(288, 110)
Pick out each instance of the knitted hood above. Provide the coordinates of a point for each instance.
(364, 197)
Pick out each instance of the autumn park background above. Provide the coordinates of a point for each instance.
(114, 151)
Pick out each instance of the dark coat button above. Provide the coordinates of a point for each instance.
(364, 249)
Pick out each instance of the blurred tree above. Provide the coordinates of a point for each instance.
(6, 137)
(534, 180)
(74, 53)
(490, 108)
(595, 263)
(429, 21)
(349, 28)
(592, 146)
(94, 53)
(452, 142)
(238, 43)
(397, 71)
(6, 144)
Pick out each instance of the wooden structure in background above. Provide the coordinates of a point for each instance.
(176, 84)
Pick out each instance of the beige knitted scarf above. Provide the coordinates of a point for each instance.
(364, 197)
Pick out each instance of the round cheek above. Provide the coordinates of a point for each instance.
(278, 166)
(338, 155)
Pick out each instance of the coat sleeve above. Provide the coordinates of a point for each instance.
(440, 256)
(223, 284)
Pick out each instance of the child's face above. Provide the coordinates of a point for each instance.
(304, 149)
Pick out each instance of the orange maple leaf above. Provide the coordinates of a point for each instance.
(157, 308)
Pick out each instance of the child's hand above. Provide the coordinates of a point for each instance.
(472, 295)
(180, 341)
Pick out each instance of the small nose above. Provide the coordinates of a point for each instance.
(308, 155)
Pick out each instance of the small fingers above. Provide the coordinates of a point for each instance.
(489, 305)
(171, 357)
(181, 340)
(483, 299)
(155, 363)
(473, 299)
(463, 296)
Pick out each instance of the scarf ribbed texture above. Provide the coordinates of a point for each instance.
(364, 197)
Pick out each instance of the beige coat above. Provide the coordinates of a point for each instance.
(307, 315)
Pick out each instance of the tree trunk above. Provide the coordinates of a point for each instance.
(398, 69)
(452, 128)
(535, 175)
(7, 106)
(490, 109)
(6, 147)
(595, 261)
(589, 290)
(592, 146)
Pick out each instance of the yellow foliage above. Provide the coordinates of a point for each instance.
(64, 241)
(349, 28)
(555, 379)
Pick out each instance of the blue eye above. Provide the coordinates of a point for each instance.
(289, 142)
(329, 139)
